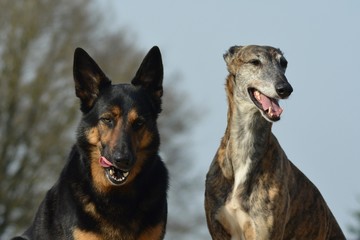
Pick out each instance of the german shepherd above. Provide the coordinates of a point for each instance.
(253, 191)
(114, 184)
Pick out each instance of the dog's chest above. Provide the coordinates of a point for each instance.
(240, 223)
(234, 218)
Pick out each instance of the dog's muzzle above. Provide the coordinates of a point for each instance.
(115, 175)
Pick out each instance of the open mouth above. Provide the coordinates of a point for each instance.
(268, 106)
(115, 175)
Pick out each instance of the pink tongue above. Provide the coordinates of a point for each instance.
(104, 162)
(271, 106)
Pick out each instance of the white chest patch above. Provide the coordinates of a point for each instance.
(240, 223)
(231, 215)
(233, 218)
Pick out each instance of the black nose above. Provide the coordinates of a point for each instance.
(283, 89)
(123, 161)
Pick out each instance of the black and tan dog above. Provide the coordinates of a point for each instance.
(252, 190)
(114, 184)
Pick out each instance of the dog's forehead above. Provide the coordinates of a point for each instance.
(251, 51)
(126, 97)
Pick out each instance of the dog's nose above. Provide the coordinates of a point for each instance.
(283, 89)
(123, 161)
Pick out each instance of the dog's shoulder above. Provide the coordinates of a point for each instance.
(217, 186)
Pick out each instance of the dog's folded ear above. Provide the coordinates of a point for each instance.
(150, 73)
(89, 79)
(230, 56)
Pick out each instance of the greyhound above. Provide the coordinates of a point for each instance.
(253, 191)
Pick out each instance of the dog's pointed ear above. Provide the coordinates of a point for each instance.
(150, 73)
(89, 79)
(230, 56)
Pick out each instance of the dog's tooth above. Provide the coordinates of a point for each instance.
(257, 95)
(126, 174)
(270, 112)
(111, 172)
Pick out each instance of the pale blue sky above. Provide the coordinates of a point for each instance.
(319, 129)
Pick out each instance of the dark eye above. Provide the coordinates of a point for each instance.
(107, 120)
(138, 123)
(255, 62)
(283, 62)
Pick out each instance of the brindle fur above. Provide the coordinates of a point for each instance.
(118, 123)
(252, 190)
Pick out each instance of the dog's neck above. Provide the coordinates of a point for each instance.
(247, 134)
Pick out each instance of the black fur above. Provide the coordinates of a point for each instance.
(77, 203)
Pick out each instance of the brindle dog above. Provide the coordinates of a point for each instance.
(253, 191)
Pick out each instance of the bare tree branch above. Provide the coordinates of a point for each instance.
(39, 111)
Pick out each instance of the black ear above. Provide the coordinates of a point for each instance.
(89, 79)
(150, 73)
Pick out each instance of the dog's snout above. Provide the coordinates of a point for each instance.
(123, 160)
(283, 89)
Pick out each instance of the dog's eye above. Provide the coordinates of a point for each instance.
(283, 62)
(106, 120)
(138, 123)
(255, 62)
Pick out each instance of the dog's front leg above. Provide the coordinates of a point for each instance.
(218, 232)
(271, 217)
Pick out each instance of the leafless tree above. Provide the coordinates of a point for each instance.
(39, 112)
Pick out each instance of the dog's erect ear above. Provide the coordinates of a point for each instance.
(150, 73)
(89, 79)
